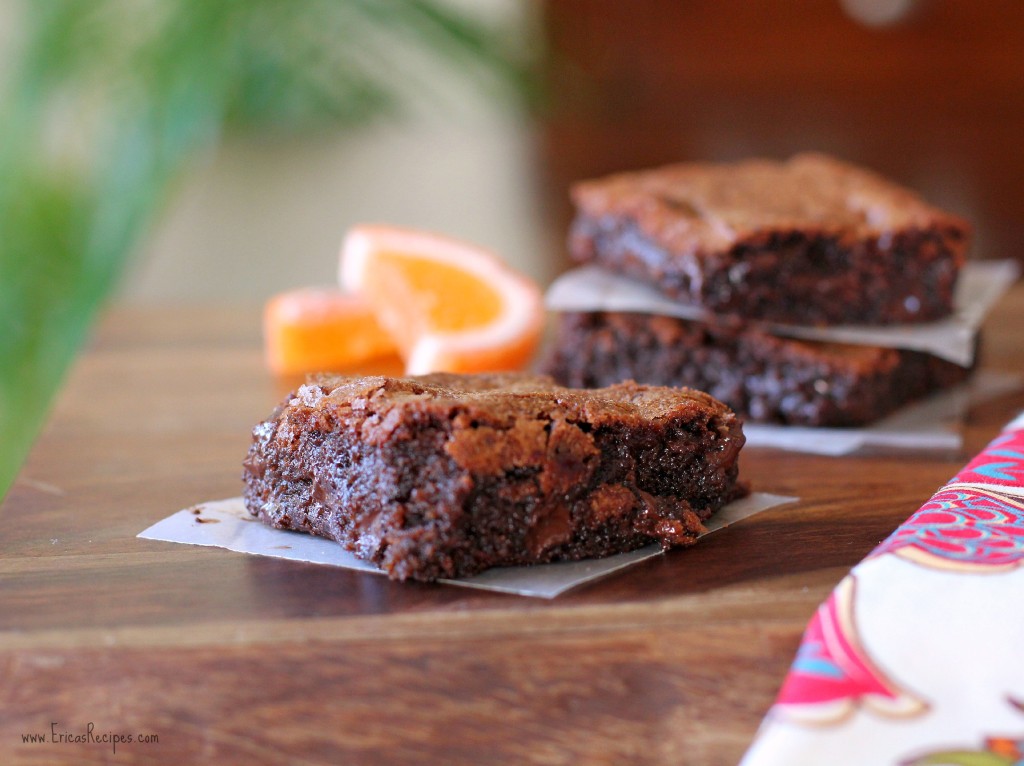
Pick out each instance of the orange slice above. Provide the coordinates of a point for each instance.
(315, 329)
(450, 306)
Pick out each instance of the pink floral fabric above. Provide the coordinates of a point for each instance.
(919, 652)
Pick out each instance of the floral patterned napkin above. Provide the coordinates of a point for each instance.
(917, 657)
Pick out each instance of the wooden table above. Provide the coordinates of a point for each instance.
(230, 658)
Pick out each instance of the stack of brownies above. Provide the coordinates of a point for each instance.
(811, 241)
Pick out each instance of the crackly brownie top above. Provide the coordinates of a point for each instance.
(503, 397)
(705, 206)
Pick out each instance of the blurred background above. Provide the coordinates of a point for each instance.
(189, 152)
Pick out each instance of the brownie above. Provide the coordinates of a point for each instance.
(445, 475)
(808, 241)
(761, 376)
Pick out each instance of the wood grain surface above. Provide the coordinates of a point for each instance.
(229, 658)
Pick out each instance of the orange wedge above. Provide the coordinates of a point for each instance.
(448, 305)
(316, 329)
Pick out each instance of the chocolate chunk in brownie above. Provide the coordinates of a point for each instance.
(809, 241)
(446, 475)
(760, 376)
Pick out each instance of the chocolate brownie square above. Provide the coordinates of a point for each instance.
(761, 376)
(808, 241)
(446, 475)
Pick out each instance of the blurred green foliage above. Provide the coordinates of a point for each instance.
(106, 102)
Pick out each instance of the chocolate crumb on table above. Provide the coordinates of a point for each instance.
(443, 476)
(812, 240)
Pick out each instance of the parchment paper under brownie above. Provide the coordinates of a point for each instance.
(761, 376)
(811, 240)
(445, 476)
